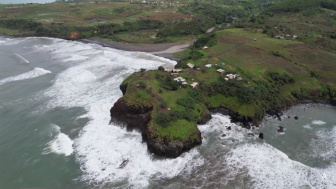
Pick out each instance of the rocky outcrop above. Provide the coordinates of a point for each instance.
(205, 118)
(138, 117)
(172, 148)
(236, 118)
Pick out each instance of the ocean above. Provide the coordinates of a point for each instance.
(55, 97)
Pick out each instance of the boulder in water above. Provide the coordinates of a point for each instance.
(281, 129)
(261, 136)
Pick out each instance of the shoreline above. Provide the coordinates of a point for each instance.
(165, 50)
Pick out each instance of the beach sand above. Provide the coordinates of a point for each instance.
(162, 49)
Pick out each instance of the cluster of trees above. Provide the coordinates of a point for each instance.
(188, 103)
(20, 24)
(302, 5)
(204, 40)
(108, 30)
(195, 26)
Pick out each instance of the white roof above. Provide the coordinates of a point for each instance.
(180, 79)
(208, 65)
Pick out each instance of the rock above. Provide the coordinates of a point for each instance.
(223, 135)
(136, 117)
(296, 117)
(74, 35)
(281, 129)
(261, 136)
(289, 117)
(205, 119)
(228, 128)
(250, 134)
(123, 164)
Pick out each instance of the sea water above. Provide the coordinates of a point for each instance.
(55, 97)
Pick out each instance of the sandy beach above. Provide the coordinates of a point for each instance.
(162, 49)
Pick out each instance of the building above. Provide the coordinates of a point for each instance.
(174, 74)
(220, 71)
(167, 70)
(179, 79)
(190, 65)
(194, 85)
(208, 65)
(177, 70)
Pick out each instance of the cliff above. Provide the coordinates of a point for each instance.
(138, 117)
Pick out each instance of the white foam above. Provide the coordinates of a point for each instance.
(36, 72)
(318, 122)
(21, 59)
(61, 144)
(271, 168)
(324, 146)
(307, 126)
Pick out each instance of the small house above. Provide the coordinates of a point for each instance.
(205, 47)
(220, 71)
(179, 79)
(208, 65)
(231, 76)
(184, 83)
(174, 74)
(177, 70)
(167, 70)
(239, 78)
(190, 65)
(194, 85)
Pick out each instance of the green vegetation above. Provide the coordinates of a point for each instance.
(271, 78)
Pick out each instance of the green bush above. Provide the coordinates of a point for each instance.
(186, 102)
(162, 119)
(164, 104)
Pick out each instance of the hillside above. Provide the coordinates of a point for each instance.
(259, 74)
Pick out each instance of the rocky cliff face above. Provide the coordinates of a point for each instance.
(138, 117)
(135, 116)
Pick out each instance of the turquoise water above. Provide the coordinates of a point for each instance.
(55, 97)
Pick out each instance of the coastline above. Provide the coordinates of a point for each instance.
(165, 50)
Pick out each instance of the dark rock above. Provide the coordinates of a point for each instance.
(235, 118)
(228, 128)
(261, 136)
(296, 117)
(281, 129)
(289, 117)
(204, 119)
(248, 126)
(223, 135)
(136, 117)
(123, 88)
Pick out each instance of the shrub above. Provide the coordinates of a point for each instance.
(186, 102)
(164, 104)
(142, 84)
(162, 119)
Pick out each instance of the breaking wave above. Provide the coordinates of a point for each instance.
(36, 72)
(61, 144)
